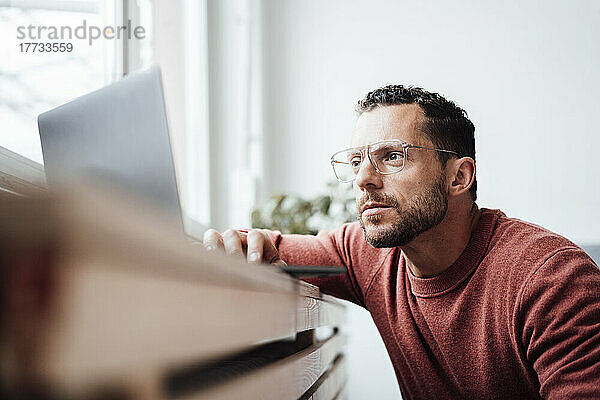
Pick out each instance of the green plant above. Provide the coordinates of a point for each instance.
(291, 213)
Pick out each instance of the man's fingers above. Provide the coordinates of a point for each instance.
(256, 242)
(234, 242)
(212, 240)
(262, 249)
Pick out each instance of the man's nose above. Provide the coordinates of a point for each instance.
(367, 176)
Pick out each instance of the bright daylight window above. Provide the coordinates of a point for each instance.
(33, 81)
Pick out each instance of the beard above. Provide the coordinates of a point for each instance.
(422, 212)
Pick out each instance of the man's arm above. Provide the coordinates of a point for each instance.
(560, 310)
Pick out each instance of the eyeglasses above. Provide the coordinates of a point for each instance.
(387, 157)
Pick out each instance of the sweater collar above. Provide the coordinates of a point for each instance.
(462, 268)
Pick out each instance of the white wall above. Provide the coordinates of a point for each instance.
(527, 73)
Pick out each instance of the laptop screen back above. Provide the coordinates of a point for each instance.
(118, 135)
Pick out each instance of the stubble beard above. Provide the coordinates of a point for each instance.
(423, 212)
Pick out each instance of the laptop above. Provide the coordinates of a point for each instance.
(117, 135)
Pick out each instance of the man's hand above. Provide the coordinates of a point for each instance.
(255, 245)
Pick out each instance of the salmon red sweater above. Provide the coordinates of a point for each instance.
(516, 316)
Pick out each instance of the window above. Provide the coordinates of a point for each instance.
(32, 82)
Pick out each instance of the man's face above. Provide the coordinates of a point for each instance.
(411, 201)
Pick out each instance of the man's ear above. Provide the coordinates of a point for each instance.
(461, 175)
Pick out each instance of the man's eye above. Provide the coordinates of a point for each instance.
(394, 156)
(355, 162)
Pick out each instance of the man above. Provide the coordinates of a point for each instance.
(470, 303)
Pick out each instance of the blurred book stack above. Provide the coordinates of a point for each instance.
(102, 297)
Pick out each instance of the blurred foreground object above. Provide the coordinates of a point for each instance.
(102, 297)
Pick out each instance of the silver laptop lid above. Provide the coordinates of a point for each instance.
(118, 135)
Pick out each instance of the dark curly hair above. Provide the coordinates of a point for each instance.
(446, 124)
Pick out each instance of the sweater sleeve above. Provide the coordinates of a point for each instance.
(326, 248)
(560, 307)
